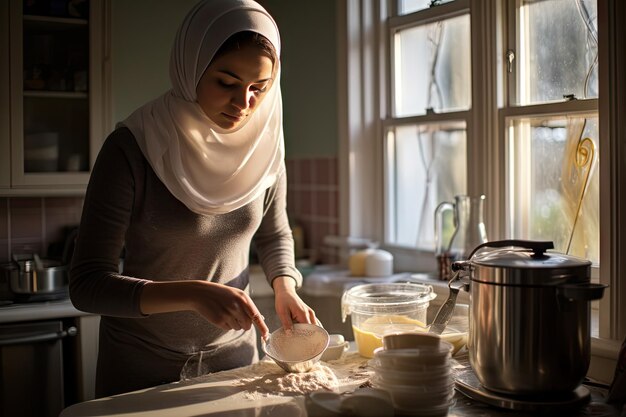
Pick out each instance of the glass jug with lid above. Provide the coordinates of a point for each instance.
(469, 231)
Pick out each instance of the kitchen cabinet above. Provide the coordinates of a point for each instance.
(5, 149)
(56, 91)
(89, 336)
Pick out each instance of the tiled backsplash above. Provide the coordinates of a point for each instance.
(313, 203)
(31, 224)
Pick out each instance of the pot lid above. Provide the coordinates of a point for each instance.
(524, 254)
(523, 262)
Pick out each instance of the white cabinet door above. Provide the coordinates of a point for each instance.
(5, 147)
(57, 93)
(88, 332)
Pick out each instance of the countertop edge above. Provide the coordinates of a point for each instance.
(47, 310)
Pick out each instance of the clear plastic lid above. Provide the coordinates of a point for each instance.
(388, 298)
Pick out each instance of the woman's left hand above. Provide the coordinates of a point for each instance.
(289, 306)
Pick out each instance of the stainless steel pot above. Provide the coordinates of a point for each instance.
(529, 324)
(25, 278)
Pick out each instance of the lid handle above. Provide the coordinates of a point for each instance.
(537, 246)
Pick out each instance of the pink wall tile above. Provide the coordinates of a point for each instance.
(60, 213)
(305, 171)
(334, 204)
(292, 172)
(5, 254)
(304, 203)
(322, 203)
(291, 205)
(27, 246)
(333, 169)
(313, 203)
(322, 171)
(26, 218)
(34, 223)
(4, 219)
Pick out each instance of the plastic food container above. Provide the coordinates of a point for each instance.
(379, 309)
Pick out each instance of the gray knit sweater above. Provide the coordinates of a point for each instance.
(126, 205)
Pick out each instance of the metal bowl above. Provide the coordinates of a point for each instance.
(298, 349)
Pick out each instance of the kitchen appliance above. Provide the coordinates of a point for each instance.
(468, 384)
(529, 325)
(38, 372)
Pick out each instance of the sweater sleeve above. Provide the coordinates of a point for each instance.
(96, 286)
(274, 238)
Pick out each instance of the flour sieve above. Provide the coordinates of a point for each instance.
(298, 349)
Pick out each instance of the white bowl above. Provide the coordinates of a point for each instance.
(336, 348)
(410, 340)
(414, 359)
(411, 397)
(431, 378)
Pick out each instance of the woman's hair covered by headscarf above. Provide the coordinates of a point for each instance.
(209, 169)
(195, 44)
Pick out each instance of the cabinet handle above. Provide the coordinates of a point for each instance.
(40, 337)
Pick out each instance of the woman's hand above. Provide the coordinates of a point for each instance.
(289, 306)
(225, 307)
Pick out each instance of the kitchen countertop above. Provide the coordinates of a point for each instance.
(43, 310)
(250, 391)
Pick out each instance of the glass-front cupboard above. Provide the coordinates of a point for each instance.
(53, 80)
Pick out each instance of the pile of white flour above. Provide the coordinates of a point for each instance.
(265, 378)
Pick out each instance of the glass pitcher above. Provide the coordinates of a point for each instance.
(469, 231)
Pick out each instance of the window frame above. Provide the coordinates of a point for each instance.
(363, 104)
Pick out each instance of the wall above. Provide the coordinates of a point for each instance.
(142, 32)
(32, 224)
(309, 75)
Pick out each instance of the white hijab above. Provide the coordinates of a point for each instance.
(207, 168)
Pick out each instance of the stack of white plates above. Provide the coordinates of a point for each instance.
(417, 374)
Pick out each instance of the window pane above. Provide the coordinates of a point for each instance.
(432, 67)
(426, 165)
(410, 6)
(554, 180)
(558, 50)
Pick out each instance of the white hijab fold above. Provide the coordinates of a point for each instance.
(207, 168)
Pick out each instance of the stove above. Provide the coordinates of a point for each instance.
(467, 383)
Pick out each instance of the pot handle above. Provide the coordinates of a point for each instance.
(537, 246)
(581, 292)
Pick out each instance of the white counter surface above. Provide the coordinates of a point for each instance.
(248, 391)
(44, 310)
(251, 392)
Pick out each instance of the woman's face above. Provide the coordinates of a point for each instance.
(233, 85)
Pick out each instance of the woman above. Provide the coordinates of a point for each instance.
(183, 185)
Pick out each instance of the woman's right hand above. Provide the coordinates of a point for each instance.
(226, 307)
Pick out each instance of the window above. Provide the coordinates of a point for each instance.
(513, 99)
(551, 123)
(430, 63)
